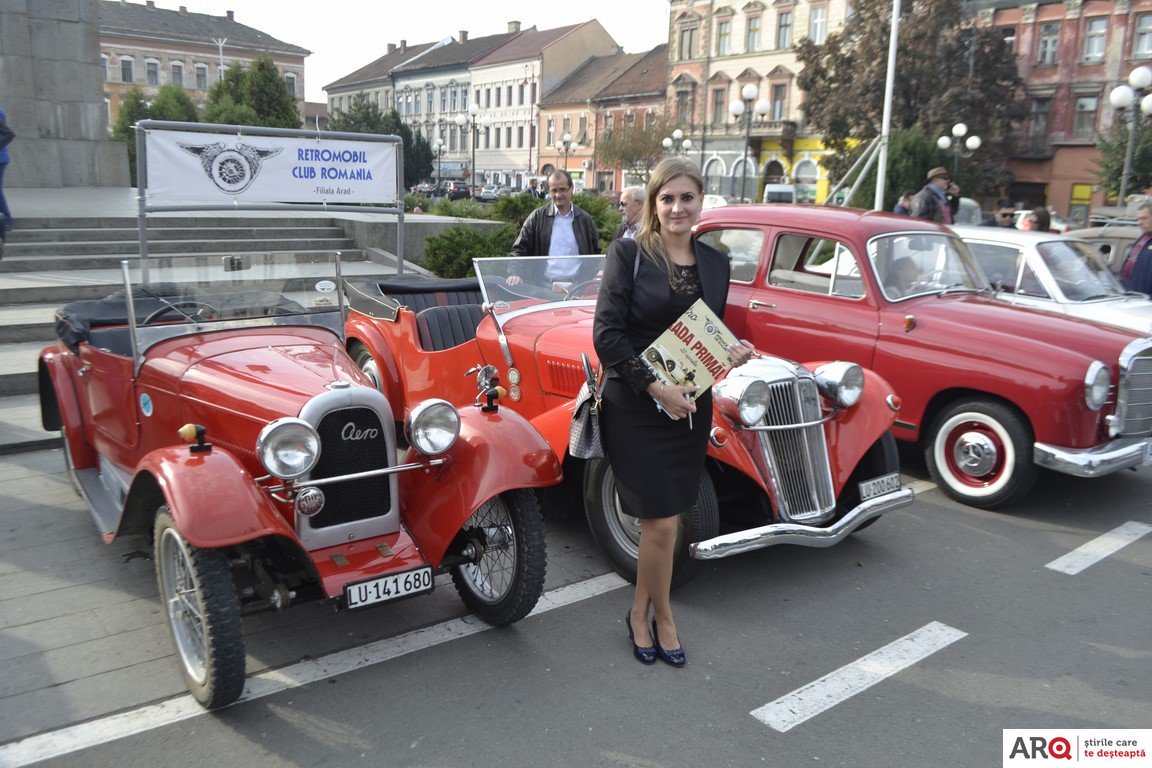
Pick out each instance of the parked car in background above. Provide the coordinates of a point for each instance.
(969, 212)
(1056, 274)
(488, 193)
(715, 201)
(424, 188)
(779, 193)
(802, 453)
(992, 392)
(507, 191)
(454, 190)
(1113, 241)
(214, 408)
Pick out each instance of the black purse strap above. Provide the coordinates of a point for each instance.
(595, 379)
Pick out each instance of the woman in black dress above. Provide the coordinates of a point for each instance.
(656, 451)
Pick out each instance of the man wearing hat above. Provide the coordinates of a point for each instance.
(939, 198)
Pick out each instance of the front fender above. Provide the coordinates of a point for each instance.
(214, 501)
(366, 332)
(60, 406)
(851, 433)
(496, 452)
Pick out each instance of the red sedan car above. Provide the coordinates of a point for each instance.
(993, 392)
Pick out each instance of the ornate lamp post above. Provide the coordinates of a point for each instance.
(748, 110)
(566, 146)
(1124, 97)
(960, 130)
(439, 149)
(471, 123)
(676, 142)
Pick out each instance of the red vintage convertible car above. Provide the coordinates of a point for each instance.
(807, 447)
(214, 407)
(993, 392)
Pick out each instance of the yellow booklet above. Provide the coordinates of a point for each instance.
(693, 351)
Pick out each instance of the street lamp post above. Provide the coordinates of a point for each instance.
(471, 122)
(973, 142)
(1124, 97)
(674, 143)
(749, 111)
(566, 146)
(438, 149)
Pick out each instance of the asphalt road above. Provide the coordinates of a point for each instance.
(914, 643)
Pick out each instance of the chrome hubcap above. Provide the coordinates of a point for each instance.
(975, 454)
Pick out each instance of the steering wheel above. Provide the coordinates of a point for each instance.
(175, 306)
(574, 291)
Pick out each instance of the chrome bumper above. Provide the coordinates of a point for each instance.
(1096, 461)
(804, 535)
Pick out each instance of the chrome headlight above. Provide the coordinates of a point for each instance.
(432, 427)
(841, 382)
(1097, 382)
(743, 399)
(288, 448)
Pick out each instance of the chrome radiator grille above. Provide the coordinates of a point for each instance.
(353, 441)
(798, 458)
(1136, 395)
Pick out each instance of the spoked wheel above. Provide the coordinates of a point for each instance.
(618, 533)
(505, 539)
(980, 453)
(203, 614)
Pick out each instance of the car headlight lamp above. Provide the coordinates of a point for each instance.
(1097, 383)
(432, 427)
(841, 382)
(743, 399)
(288, 448)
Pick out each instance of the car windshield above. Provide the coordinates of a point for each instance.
(1079, 270)
(525, 281)
(920, 263)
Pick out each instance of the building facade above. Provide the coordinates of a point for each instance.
(148, 47)
(1070, 56)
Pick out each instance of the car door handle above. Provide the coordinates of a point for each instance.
(754, 304)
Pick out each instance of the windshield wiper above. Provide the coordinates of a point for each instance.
(956, 287)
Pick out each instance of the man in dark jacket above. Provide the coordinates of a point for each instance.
(558, 229)
(938, 200)
(1136, 271)
(1003, 216)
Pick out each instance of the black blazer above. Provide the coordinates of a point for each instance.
(628, 312)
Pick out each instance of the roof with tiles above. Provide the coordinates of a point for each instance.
(646, 77)
(134, 19)
(457, 53)
(590, 78)
(527, 45)
(381, 67)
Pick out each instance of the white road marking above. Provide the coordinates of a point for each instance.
(1099, 548)
(73, 738)
(789, 711)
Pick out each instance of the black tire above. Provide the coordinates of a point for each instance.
(881, 459)
(367, 364)
(504, 582)
(203, 612)
(979, 452)
(619, 535)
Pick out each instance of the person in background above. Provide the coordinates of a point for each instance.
(904, 207)
(534, 189)
(938, 200)
(655, 449)
(631, 206)
(557, 230)
(1136, 271)
(6, 136)
(1003, 216)
(901, 275)
(1039, 220)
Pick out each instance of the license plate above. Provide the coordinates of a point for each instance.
(390, 587)
(878, 486)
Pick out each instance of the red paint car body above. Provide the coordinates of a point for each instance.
(412, 337)
(992, 391)
(287, 484)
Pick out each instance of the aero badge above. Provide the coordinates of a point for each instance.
(232, 169)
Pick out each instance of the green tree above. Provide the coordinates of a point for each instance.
(173, 103)
(266, 92)
(364, 116)
(450, 253)
(634, 148)
(1113, 148)
(133, 108)
(230, 86)
(909, 153)
(228, 112)
(944, 74)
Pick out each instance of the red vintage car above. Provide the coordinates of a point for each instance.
(993, 392)
(801, 454)
(213, 406)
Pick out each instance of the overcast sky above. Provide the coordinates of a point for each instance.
(344, 35)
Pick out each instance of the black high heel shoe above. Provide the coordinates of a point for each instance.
(645, 655)
(675, 657)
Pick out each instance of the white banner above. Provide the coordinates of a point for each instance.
(189, 165)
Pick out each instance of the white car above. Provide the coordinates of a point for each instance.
(1057, 274)
(715, 201)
